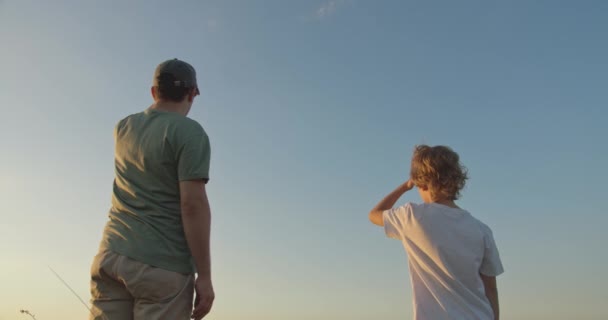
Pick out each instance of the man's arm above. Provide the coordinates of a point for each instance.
(375, 216)
(489, 284)
(196, 220)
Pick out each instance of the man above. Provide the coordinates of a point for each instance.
(157, 236)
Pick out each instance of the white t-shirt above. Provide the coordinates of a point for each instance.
(447, 249)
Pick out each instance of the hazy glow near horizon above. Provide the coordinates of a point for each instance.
(313, 108)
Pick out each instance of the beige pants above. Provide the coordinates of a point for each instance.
(126, 289)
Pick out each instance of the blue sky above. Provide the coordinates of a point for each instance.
(313, 108)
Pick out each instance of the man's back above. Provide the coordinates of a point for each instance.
(154, 151)
(447, 250)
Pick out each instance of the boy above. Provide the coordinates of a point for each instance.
(452, 257)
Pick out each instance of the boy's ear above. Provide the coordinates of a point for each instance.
(423, 188)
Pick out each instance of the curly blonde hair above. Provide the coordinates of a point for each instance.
(438, 169)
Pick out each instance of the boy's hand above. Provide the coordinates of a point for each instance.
(409, 184)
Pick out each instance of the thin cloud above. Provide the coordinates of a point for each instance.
(212, 24)
(328, 8)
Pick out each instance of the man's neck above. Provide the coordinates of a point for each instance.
(178, 107)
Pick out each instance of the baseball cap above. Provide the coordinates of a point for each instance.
(175, 73)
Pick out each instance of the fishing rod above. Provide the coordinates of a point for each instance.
(74, 292)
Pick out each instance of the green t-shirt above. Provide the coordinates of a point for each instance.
(154, 151)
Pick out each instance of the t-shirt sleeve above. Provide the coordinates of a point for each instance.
(396, 221)
(490, 264)
(193, 158)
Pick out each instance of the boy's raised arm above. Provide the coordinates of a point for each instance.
(375, 215)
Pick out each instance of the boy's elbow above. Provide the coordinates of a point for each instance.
(376, 218)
